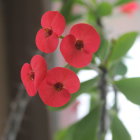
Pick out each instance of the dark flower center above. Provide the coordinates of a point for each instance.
(48, 32)
(58, 86)
(79, 44)
(32, 75)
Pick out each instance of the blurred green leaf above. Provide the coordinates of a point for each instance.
(84, 88)
(76, 17)
(91, 17)
(66, 9)
(103, 51)
(130, 87)
(122, 45)
(119, 132)
(61, 134)
(83, 129)
(76, 70)
(118, 68)
(104, 9)
(88, 85)
(121, 2)
(94, 99)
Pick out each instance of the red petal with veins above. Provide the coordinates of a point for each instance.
(53, 20)
(46, 44)
(88, 35)
(33, 74)
(50, 95)
(27, 82)
(39, 67)
(76, 58)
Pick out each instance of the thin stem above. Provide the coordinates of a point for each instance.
(103, 94)
(61, 37)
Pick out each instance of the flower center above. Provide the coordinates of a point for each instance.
(79, 44)
(32, 75)
(58, 86)
(48, 32)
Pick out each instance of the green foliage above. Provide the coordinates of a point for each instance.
(90, 17)
(104, 9)
(94, 98)
(76, 70)
(120, 2)
(66, 10)
(103, 51)
(110, 57)
(130, 87)
(118, 68)
(85, 129)
(87, 85)
(119, 132)
(122, 45)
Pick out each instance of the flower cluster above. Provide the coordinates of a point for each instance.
(57, 84)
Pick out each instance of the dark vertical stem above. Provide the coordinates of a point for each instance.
(103, 94)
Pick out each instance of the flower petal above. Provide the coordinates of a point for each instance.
(76, 58)
(53, 20)
(39, 67)
(51, 97)
(129, 7)
(88, 34)
(46, 44)
(65, 76)
(27, 82)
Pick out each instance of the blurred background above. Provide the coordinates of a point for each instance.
(25, 118)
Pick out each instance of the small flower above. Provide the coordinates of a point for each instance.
(129, 8)
(33, 74)
(79, 46)
(56, 88)
(53, 24)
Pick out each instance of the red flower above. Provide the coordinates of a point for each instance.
(33, 74)
(79, 46)
(129, 7)
(56, 88)
(53, 24)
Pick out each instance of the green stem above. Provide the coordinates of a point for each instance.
(61, 37)
(103, 94)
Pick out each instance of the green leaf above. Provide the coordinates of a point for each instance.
(76, 17)
(88, 85)
(118, 68)
(94, 99)
(103, 51)
(84, 88)
(76, 70)
(83, 129)
(119, 132)
(104, 9)
(66, 9)
(120, 2)
(130, 87)
(90, 17)
(122, 45)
